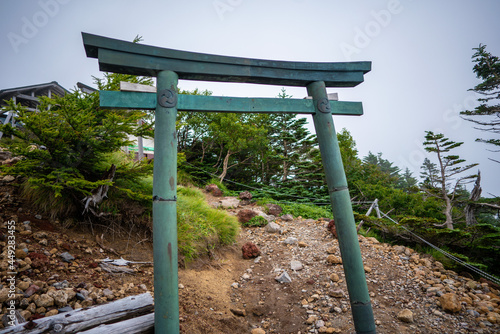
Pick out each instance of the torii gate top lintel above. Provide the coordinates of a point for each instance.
(132, 58)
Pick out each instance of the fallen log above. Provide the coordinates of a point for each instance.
(85, 319)
(140, 325)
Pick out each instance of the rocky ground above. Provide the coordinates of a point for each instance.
(61, 269)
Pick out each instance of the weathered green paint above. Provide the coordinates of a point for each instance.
(133, 58)
(343, 215)
(138, 100)
(165, 213)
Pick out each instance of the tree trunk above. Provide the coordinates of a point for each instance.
(447, 213)
(224, 165)
(474, 196)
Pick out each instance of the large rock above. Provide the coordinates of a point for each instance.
(245, 215)
(245, 195)
(214, 190)
(274, 209)
(406, 316)
(331, 227)
(250, 250)
(450, 303)
(229, 202)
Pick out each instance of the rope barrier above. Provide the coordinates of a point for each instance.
(448, 255)
(445, 253)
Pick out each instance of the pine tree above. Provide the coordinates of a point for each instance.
(487, 68)
(449, 166)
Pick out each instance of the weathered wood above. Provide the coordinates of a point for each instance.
(135, 87)
(84, 319)
(140, 325)
(133, 58)
(140, 100)
(475, 194)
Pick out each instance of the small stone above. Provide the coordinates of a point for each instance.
(181, 286)
(368, 269)
(284, 278)
(258, 331)
(44, 301)
(61, 285)
(65, 309)
(337, 293)
(238, 312)
(291, 241)
(332, 259)
(20, 254)
(450, 303)
(107, 292)
(296, 265)
(311, 320)
(288, 217)
(67, 257)
(23, 285)
(493, 317)
(319, 324)
(235, 285)
(406, 316)
(331, 250)
(8, 178)
(60, 297)
(334, 277)
(51, 313)
(272, 228)
(302, 244)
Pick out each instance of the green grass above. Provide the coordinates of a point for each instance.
(200, 227)
(256, 221)
(307, 211)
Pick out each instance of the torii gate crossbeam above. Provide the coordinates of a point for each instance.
(168, 66)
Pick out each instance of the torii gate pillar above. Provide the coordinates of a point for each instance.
(342, 210)
(166, 277)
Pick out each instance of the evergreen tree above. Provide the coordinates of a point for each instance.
(449, 166)
(487, 68)
(429, 174)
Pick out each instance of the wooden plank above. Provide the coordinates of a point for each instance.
(135, 87)
(87, 318)
(140, 100)
(139, 325)
(133, 58)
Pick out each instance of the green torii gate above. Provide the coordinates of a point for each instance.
(168, 66)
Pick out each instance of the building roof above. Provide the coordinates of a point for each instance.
(28, 95)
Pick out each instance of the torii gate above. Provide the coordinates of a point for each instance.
(168, 66)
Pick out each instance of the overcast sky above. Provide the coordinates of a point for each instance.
(420, 53)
